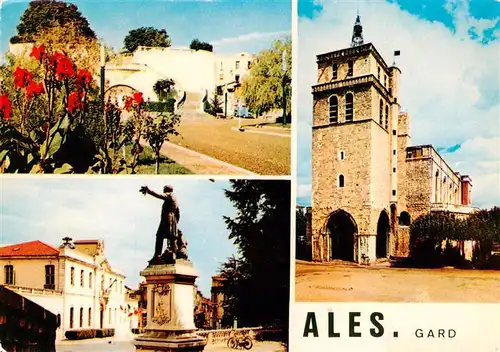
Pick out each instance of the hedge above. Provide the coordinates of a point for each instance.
(160, 106)
(80, 334)
(105, 332)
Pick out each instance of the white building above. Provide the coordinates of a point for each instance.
(74, 281)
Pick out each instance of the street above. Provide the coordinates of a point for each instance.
(115, 345)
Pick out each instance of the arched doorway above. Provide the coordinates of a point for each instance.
(383, 228)
(342, 230)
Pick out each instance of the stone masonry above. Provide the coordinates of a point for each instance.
(368, 184)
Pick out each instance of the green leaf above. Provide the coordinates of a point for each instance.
(64, 169)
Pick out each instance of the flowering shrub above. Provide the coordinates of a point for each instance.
(58, 91)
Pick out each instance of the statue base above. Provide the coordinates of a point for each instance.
(170, 311)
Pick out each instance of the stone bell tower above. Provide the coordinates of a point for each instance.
(355, 147)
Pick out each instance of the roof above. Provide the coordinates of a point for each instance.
(28, 249)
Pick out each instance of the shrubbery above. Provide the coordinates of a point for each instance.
(105, 332)
(81, 334)
(430, 231)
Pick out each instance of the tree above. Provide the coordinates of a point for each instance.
(146, 36)
(303, 248)
(163, 88)
(157, 131)
(196, 44)
(43, 14)
(262, 88)
(257, 281)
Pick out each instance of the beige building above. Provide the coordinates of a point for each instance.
(74, 281)
(368, 182)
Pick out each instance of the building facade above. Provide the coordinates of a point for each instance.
(368, 182)
(74, 281)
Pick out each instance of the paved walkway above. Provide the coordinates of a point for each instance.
(200, 163)
(113, 345)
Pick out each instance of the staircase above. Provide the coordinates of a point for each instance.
(192, 104)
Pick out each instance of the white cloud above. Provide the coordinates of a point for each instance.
(249, 37)
(449, 83)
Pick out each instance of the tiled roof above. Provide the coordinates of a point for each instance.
(28, 249)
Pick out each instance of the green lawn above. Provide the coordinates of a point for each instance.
(146, 164)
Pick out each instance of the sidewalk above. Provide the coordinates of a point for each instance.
(200, 163)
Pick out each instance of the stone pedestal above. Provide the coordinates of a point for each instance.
(170, 293)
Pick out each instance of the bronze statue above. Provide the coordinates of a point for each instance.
(167, 229)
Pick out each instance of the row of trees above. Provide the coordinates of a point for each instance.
(42, 15)
(257, 279)
(429, 232)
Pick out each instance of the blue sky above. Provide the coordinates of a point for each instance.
(112, 209)
(449, 84)
(233, 26)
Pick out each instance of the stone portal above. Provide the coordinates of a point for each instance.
(342, 235)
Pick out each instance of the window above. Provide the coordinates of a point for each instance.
(393, 192)
(90, 317)
(341, 155)
(72, 276)
(237, 65)
(393, 132)
(49, 277)
(386, 116)
(381, 112)
(334, 109)
(221, 66)
(249, 65)
(385, 81)
(378, 73)
(81, 317)
(237, 78)
(82, 278)
(341, 180)
(394, 169)
(394, 152)
(71, 317)
(9, 274)
(349, 113)
(335, 68)
(90, 280)
(350, 70)
(404, 219)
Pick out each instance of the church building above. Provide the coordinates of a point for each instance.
(368, 182)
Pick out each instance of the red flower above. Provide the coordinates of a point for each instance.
(37, 52)
(34, 89)
(75, 101)
(22, 77)
(83, 78)
(5, 106)
(138, 98)
(129, 101)
(64, 66)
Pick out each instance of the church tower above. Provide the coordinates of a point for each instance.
(355, 153)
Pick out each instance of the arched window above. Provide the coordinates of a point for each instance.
(335, 68)
(404, 219)
(334, 108)
(349, 107)
(381, 113)
(386, 116)
(341, 180)
(350, 69)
